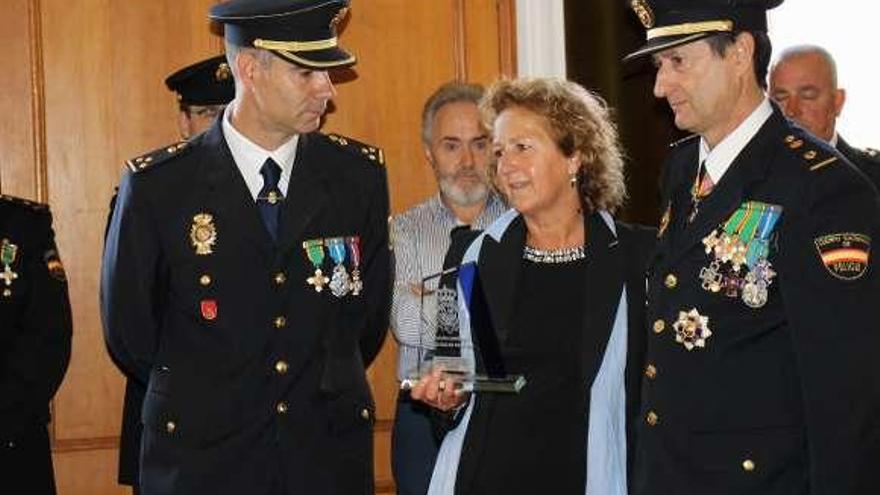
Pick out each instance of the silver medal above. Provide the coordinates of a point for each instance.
(340, 283)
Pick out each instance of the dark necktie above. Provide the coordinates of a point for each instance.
(703, 185)
(269, 200)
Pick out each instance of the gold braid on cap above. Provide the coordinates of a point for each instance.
(690, 28)
(296, 46)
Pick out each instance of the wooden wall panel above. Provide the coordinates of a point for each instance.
(488, 40)
(403, 54)
(88, 472)
(18, 173)
(90, 93)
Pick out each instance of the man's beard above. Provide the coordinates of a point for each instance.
(460, 196)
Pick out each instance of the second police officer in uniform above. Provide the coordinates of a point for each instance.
(203, 89)
(762, 374)
(246, 276)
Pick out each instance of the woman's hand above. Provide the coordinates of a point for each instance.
(439, 390)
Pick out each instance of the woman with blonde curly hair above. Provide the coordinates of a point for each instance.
(564, 288)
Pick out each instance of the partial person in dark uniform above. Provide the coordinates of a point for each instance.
(35, 332)
(246, 276)
(761, 374)
(203, 89)
(803, 81)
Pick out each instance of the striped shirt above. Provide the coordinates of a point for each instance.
(421, 238)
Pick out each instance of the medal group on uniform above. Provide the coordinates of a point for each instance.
(244, 320)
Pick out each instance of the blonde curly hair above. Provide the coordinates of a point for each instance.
(579, 121)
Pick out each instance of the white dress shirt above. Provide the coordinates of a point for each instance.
(250, 157)
(719, 158)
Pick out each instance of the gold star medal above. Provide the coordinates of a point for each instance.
(203, 234)
(315, 251)
(692, 329)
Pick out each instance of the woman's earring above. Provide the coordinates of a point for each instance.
(573, 179)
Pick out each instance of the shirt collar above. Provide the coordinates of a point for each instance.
(249, 157)
(490, 211)
(834, 139)
(719, 158)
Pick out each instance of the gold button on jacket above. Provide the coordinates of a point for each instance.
(659, 326)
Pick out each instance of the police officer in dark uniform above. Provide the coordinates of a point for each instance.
(246, 276)
(803, 80)
(867, 160)
(203, 89)
(761, 373)
(35, 331)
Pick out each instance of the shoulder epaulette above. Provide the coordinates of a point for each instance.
(34, 205)
(157, 156)
(358, 148)
(682, 140)
(873, 154)
(815, 157)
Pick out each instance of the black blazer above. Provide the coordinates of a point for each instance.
(35, 332)
(613, 262)
(255, 380)
(783, 398)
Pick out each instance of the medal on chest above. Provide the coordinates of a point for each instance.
(315, 252)
(738, 250)
(692, 329)
(354, 246)
(340, 282)
(8, 253)
(343, 280)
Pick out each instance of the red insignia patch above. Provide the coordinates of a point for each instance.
(845, 255)
(209, 309)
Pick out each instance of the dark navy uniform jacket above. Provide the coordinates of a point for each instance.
(256, 381)
(784, 398)
(35, 332)
(868, 161)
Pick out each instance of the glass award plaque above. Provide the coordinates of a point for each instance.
(441, 343)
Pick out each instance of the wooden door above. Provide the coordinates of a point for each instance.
(84, 90)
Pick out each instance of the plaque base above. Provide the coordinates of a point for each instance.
(484, 384)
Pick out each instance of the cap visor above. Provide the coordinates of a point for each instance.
(319, 59)
(659, 44)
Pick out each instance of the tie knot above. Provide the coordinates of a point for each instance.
(271, 173)
(704, 181)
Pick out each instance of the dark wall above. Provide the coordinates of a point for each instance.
(598, 35)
